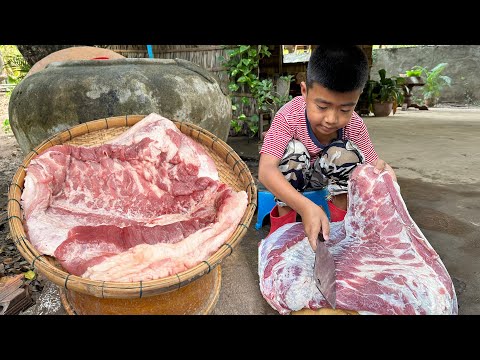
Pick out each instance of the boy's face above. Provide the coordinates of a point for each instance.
(328, 110)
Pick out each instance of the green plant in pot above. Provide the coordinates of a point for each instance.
(434, 82)
(384, 95)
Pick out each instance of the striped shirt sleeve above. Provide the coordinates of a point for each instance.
(358, 133)
(277, 137)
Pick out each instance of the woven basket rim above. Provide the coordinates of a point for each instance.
(111, 289)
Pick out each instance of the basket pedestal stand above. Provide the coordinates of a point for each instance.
(197, 298)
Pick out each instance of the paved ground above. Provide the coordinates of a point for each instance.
(436, 156)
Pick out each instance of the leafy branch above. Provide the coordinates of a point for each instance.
(15, 65)
(6, 126)
(242, 66)
(434, 80)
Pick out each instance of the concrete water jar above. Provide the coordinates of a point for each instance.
(65, 94)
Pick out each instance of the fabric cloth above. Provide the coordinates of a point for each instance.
(334, 166)
(332, 169)
(277, 221)
(290, 122)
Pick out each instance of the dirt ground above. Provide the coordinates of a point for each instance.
(11, 261)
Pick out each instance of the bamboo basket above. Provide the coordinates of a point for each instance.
(231, 169)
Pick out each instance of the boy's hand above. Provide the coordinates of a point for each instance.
(381, 165)
(315, 220)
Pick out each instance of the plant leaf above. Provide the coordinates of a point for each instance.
(233, 87)
(29, 275)
(242, 79)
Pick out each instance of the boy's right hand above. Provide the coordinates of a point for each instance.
(315, 221)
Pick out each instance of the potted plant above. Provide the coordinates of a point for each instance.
(412, 78)
(434, 82)
(414, 73)
(385, 94)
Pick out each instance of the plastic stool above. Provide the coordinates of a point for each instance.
(266, 202)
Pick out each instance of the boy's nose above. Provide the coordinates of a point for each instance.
(331, 118)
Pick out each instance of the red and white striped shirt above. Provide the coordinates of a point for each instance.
(290, 123)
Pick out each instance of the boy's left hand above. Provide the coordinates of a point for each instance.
(381, 165)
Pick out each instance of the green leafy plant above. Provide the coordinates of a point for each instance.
(15, 66)
(242, 67)
(385, 90)
(29, 275)
(252, 122)
(6, 126)
(434, 82)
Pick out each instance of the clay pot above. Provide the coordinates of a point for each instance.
(382, 109)
(430, 102)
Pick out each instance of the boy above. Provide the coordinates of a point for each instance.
(317, 139)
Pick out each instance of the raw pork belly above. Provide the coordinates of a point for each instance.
(150, 185)
(384, 264)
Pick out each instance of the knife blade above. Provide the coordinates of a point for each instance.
(324, 272)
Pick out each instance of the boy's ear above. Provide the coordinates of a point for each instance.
(304, 90)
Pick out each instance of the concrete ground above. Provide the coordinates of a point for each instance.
(436, 156)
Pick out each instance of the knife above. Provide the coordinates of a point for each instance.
(324, 272)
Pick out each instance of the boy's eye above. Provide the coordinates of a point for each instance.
(322, 107)
(345, 111)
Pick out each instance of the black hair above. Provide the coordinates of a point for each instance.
(338, 68)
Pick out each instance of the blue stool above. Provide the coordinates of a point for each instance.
(266, 202)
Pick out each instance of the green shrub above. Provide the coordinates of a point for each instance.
(434, 82)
